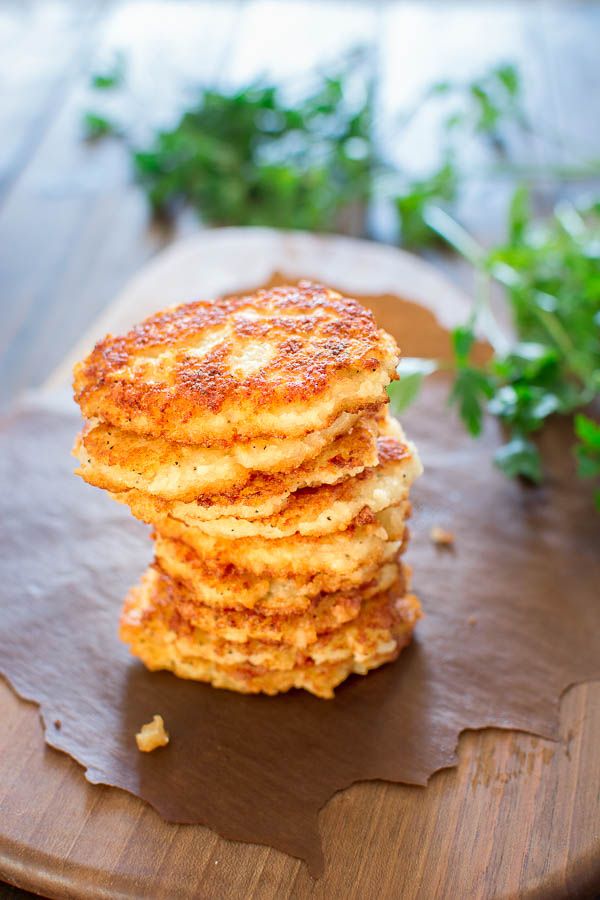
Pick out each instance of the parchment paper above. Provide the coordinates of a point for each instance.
(512, 619)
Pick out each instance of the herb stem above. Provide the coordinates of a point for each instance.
(454, 235)
(459, 238)
(484, 316)
(560, 337)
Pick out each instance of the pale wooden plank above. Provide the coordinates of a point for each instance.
(288, 41)
(421, 44)
(74, 226)
(490, 828)
(41, 44)
(570, 39)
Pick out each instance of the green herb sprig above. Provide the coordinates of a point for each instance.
(484, 108)
(550, 272)
(588, 450)
(254, 157)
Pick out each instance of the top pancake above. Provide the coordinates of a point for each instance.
(278, 363)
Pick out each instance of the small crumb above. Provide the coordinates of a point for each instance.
(472, 620)
(441, 536)
(57, 724)
(152, 735)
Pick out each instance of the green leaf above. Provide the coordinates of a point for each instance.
(411, 372)
(587, 451)
(588, 432)
(505, 402)
(529, 362)
(508, 76)
(112, 77)
(469, 392)
(519, 457)
(404, 392)
(416, 365)
(488, 112)
(588, 464)
(440, 187)
(463, 339)
(529, 352)
(519, 214)
(542, 405)
(96, 126)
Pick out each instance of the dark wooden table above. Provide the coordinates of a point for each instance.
(73, 228)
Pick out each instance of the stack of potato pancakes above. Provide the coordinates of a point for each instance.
(252, 432)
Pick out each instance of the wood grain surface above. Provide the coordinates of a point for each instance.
(519, 817)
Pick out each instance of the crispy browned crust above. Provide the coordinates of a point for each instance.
(337, 560)
(322, 614)
(104, 451)
(230, 587)
(320, 680)
(308, 511)
(162, 639)
(151, 380)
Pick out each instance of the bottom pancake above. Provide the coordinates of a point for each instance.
(320, 680)
(157, 633)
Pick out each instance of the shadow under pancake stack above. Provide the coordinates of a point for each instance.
(252, 433)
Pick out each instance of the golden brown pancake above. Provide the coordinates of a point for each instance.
(252, 432)
(324, 613)
(229, 587)
(336, 559)
(281, 363)
(308, 511)
(157, 634)
(320, 680)
(117, 461)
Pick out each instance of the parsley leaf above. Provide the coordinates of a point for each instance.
(250, 156)
(111, 77)
(471, 389)
(472, 386)
(411, 372)
(96, 126)
(550, 272)
(588, 450)
(520, 457)
(441, 187)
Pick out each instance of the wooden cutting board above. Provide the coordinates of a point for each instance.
(518, 817)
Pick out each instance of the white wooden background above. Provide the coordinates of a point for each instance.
(72, 226)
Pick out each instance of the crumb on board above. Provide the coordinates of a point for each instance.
(472, 620)
(57, 724)
(442, 536)
(152, 735)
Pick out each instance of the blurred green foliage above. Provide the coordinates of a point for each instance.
(252, 156)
